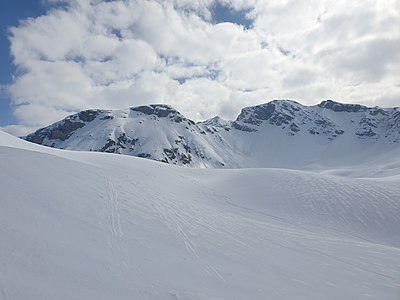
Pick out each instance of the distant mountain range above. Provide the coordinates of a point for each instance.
(281, 133)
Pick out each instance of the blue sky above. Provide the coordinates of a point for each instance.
(203, 57)
(221, 13)
(11, 12)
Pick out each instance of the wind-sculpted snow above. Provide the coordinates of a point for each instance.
(281, 133)
(80, 225)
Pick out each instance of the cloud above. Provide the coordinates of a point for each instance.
(121, 53)
(391, 100)
(18, 130)
(368, 61)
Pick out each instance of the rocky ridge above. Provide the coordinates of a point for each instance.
(161, 133)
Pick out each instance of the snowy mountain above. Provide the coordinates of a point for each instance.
(281, 133)
(85, 225)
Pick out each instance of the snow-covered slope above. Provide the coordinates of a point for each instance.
(281, 133)
(84, 225)
(158, 132)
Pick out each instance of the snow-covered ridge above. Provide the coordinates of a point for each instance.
(270, 134)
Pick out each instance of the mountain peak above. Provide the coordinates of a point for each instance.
(283, 102)
(216, 121)
(276, 112)
(160, 110)
(342, 107)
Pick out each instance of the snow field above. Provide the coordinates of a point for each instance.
(78, 225)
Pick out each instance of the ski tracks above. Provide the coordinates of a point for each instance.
(114, 218)
(177, 221)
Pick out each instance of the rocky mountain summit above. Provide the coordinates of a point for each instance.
(278, 133)
(322, 119)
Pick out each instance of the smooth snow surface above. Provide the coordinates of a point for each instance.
(80, 225)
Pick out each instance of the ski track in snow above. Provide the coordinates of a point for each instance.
(354, 204)
(114, 214)
(186, 220)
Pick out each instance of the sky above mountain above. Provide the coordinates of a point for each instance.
(203, 57)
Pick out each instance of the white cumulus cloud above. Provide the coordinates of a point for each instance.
(116, 54)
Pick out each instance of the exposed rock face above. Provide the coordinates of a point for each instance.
(160, 132)
(277, 112)
(162, 111)
(341, 107)
(293, 118)
(88, 115)
(289, 116)
(61, 132)
(159, 110)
